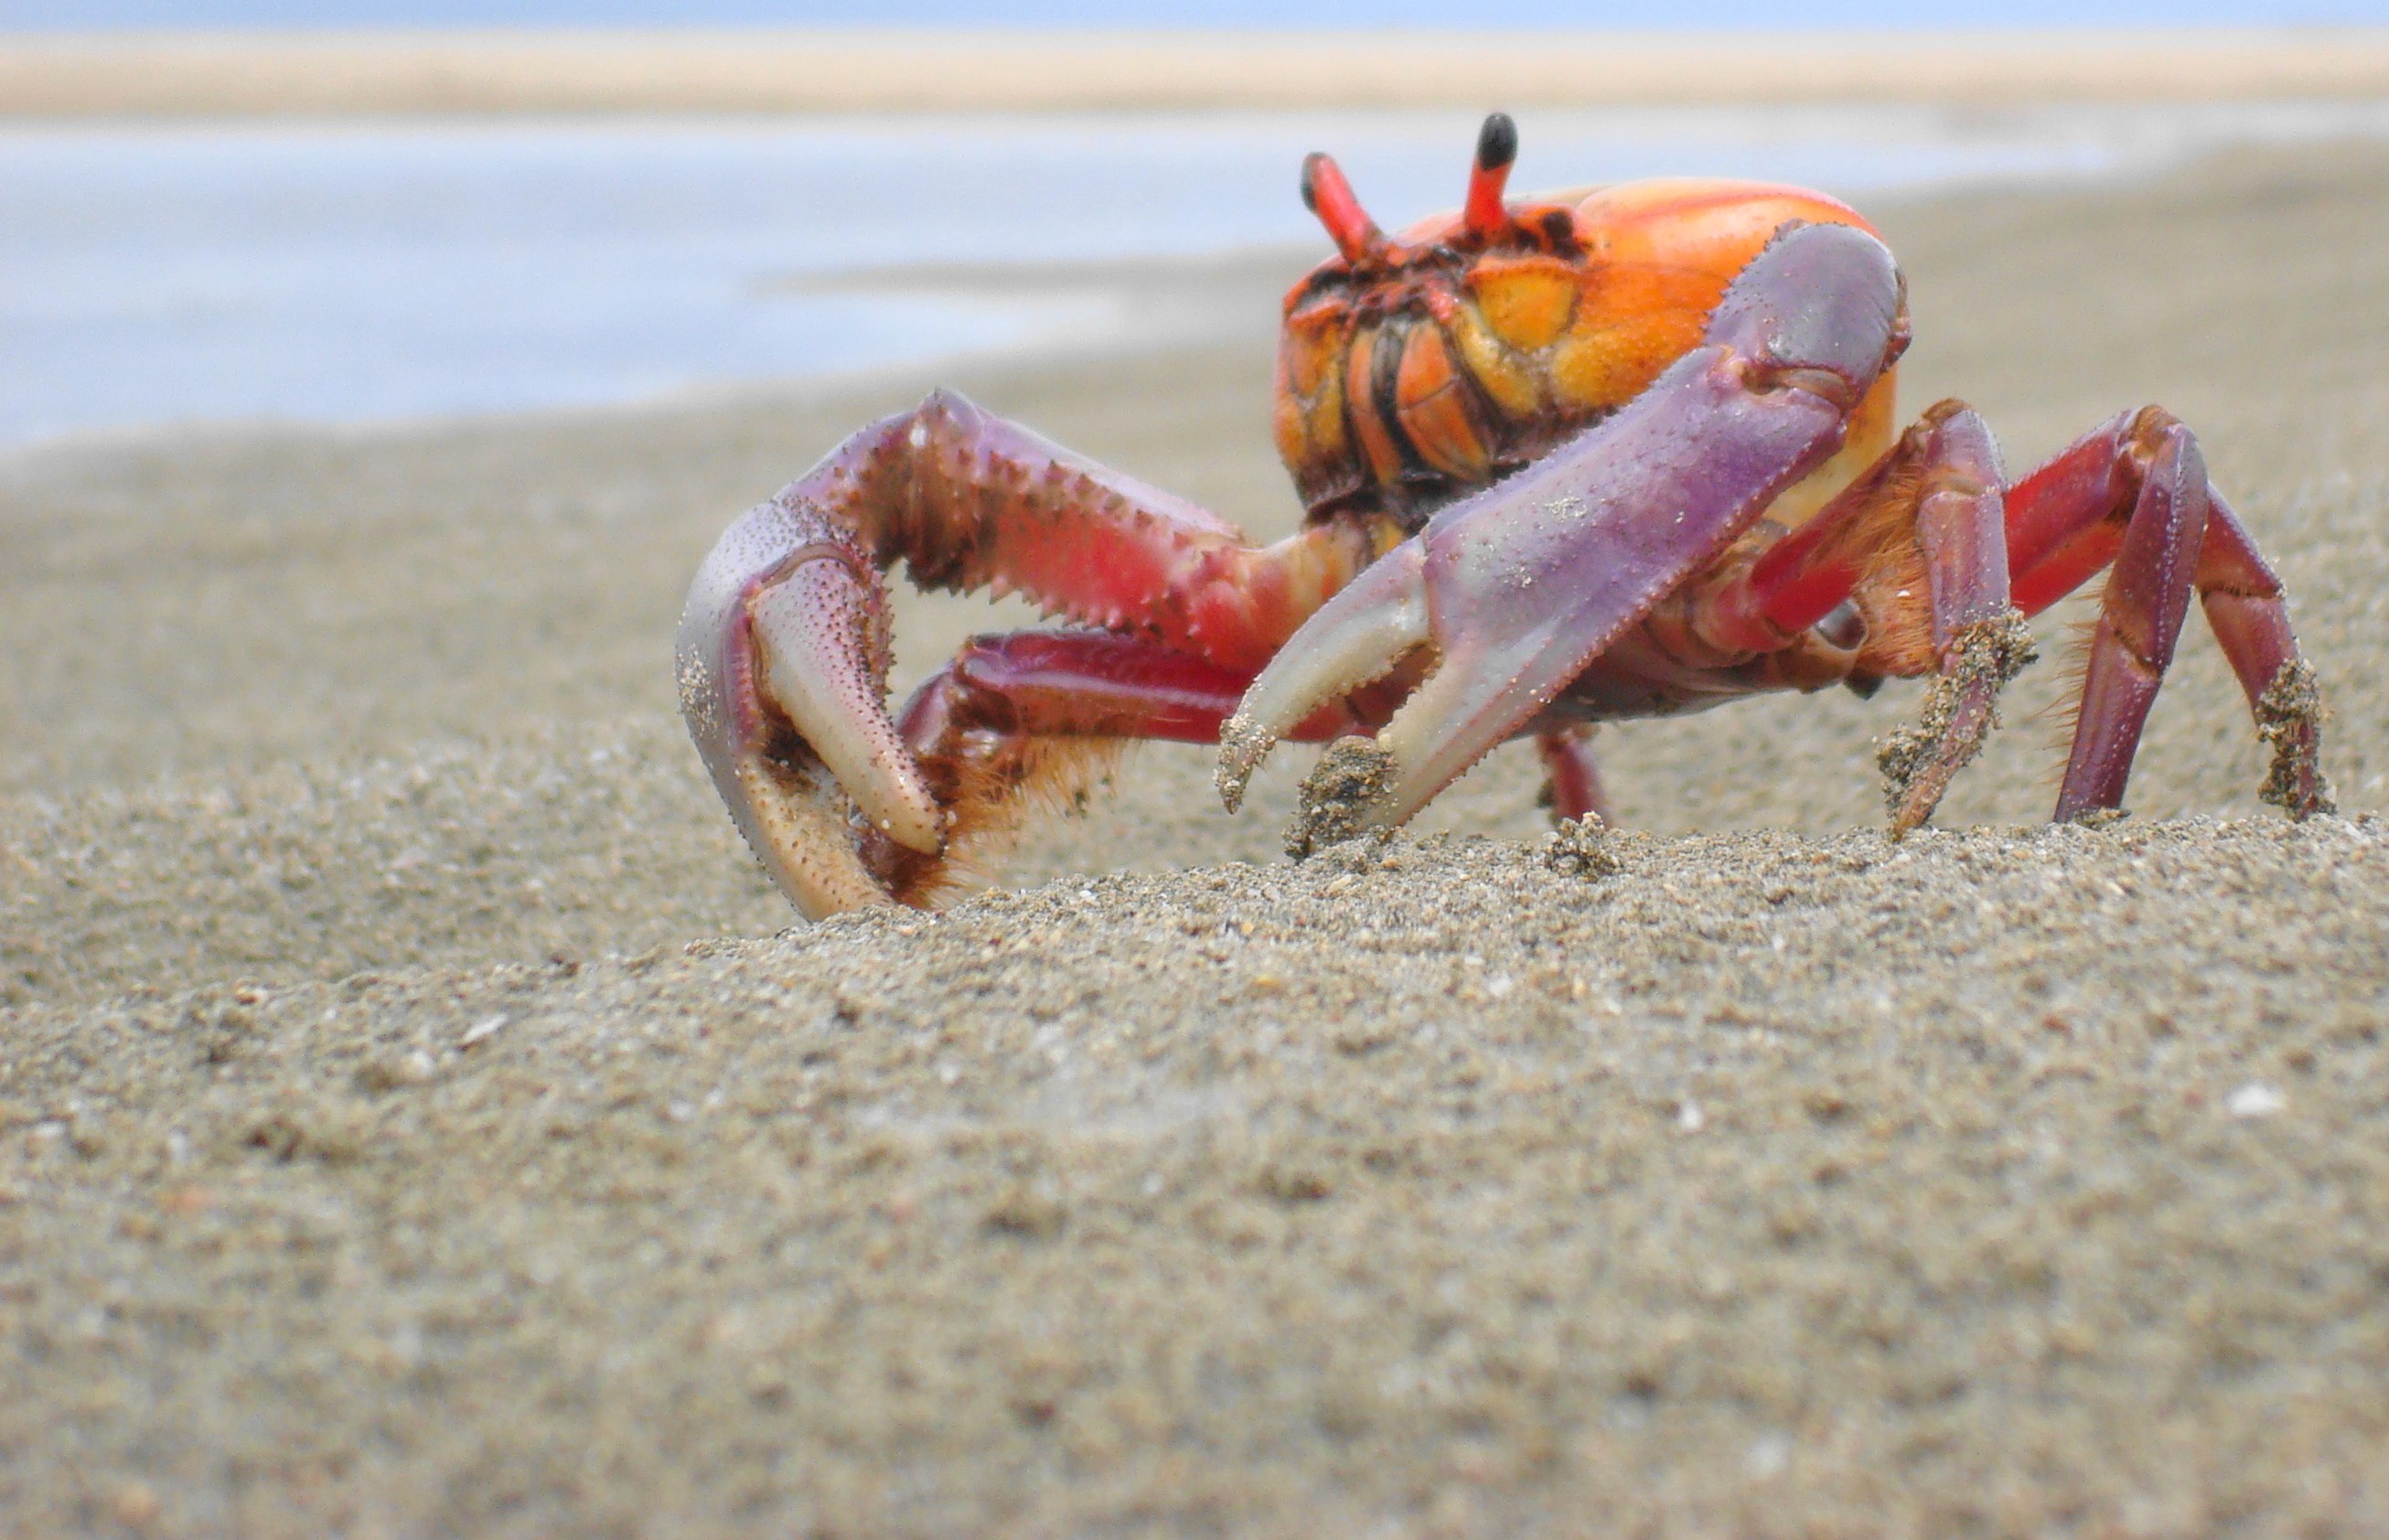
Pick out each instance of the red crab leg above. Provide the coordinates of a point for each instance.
(783, 653)
(2250, 618)
(2132, 492)
(2135, 492)
(2139, 620)
(1946, 463)
(1932, 503)
(1522, 585)
(1571, 781)
(1021, 710)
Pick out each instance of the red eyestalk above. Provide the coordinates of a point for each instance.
(1326, 193)
(1497, 146)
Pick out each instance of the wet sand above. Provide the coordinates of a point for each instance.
(410, 1122)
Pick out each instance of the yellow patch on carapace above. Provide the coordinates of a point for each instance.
(1526, 301)
(1609, 366)
(1511, 383)
(1326, 420)
(1309, 415)
(1308, 348)
(1294, 449)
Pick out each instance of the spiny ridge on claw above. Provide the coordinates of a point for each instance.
(807, 625)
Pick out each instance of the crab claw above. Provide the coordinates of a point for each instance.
(783, 663)
(1358, 637)
(1520, 587)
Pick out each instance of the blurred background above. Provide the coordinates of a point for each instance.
(245, 210)
(1719, 16)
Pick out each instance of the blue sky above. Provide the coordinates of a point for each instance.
(1721, 15)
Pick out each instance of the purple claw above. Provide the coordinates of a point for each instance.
(783, 653)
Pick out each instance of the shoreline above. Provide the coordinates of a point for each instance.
(1152, 300)
(1027, 310)
(75, 76)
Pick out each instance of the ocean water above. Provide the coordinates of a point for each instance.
(363, 273)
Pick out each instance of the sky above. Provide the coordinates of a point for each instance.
(1655, 15)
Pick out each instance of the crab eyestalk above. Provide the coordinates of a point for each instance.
(1326, 193)
(1496, 150)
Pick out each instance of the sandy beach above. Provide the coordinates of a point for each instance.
(417, 1116)
(346, 74)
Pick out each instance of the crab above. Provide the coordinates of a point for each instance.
(1605, 454)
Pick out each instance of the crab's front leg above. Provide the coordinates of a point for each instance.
(1917, 547)
(784, 643)
(1518, 588)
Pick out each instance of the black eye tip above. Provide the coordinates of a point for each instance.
(1311, 180)
(1497, 143)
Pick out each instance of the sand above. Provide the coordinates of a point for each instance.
(346, 74)
(411, 1124)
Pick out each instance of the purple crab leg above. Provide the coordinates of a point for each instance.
(1520, 587)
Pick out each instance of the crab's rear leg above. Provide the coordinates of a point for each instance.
(2133, 494)
(784, 645)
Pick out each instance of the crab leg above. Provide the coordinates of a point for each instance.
(2139, 620)
(2245, 609)
(1519, 587)
(1930, 508)
(1571, 781)
(2135, 492)
(783, 655)
(1019, 713)
(2132, 492)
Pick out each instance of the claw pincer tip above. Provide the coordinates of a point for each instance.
(781, 687)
